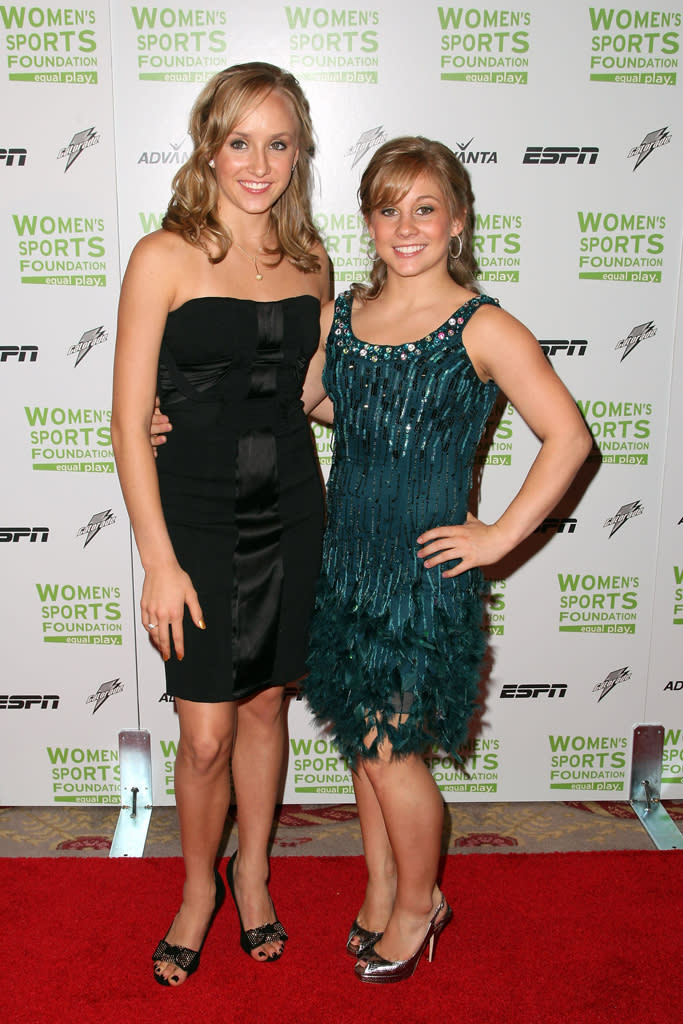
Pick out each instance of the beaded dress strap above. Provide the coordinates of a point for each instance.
(469, 308)
(342, 336)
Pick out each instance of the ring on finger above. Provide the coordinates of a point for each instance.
(151, 625)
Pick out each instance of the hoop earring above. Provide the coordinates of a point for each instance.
(453, 255)
(373, 259)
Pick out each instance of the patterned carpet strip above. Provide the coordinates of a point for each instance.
(332, 830)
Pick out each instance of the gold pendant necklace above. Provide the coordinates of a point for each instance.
(259, 275)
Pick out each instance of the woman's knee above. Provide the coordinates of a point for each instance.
(375, 768)
(388, 769)
(206, 752)
(264, 708)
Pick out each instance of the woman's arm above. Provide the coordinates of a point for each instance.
(323, 413)
(146, 296)
(503, 350)
(313, 393)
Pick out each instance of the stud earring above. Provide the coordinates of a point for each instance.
(212, 163)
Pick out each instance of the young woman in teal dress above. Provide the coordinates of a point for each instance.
(219, 313)
(412, 363)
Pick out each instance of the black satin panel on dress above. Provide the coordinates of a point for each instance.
(176, 386)
(270, 322)
(257, 564)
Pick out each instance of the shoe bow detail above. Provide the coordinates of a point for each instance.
(273, 932)
(179, 956)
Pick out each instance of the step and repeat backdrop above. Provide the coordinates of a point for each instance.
(568, 118)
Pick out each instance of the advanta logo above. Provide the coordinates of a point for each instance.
(85, 139)
(638, 334)
(13, 534)
(560, 154)
(570, 346)
(620, 675)
(626, 512)
(673, 684)
(651, 142)
(19, 352)
(470, 156)
(26, 701)
(559, 525)
(174, 155)
(105, 691)
(518, 691)
(8, 155)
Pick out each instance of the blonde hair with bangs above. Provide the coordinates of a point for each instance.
(221, 105)
(390, 175)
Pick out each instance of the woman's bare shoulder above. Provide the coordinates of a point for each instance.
(163, 260)
(494, 321)
(162, 244)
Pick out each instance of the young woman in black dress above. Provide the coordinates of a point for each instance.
(219, 314)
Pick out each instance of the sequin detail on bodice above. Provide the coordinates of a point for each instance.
(408, 419)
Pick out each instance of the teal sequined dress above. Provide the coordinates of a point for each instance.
(392, 641)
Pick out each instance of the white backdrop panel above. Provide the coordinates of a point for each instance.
(568, 118)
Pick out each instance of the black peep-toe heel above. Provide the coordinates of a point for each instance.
(252, 938)
(180, 956)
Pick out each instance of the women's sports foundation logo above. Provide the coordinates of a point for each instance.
(50, 45)
(634, 46)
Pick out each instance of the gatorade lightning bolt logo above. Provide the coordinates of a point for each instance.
(639, 333)
(620, 675)
(368, 140)
(626, 512)
(81, 140)
(651, 142)
(105, 691)
(97, 523)
(88, 340)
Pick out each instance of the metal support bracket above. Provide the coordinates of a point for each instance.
(646, 787)
(135, 762)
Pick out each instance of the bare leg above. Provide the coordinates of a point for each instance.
(202, 788)
(379, 857)
(256, 769)
(412, 809)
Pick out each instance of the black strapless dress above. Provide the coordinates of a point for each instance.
(241, 489)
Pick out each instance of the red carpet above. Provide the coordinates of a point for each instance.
(576, 938)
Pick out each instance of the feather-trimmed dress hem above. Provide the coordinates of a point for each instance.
(371, 680)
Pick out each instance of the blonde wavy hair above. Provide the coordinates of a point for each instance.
(390, 175)
(222, 104)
